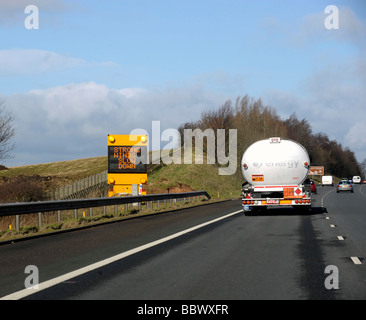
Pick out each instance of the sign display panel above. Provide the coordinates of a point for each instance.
(127, 159)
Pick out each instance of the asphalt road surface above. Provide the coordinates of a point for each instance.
(188, 255)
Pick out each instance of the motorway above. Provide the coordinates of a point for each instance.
(183, 255)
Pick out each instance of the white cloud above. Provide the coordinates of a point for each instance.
(20, 62)
(356, 136)
(73, 121)
(332, 98)
(333, 101)
(312, 29)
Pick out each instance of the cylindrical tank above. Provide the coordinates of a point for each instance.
(275, 161)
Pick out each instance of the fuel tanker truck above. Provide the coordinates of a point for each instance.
(276, 174)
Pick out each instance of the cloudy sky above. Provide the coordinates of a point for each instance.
(98, 67)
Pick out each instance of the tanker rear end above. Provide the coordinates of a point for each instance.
(276, 174)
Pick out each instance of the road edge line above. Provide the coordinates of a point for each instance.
(52, 282)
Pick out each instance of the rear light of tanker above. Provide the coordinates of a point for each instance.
(305, 201)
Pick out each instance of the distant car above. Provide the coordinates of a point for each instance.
(313, 186)
(327, 181)
(344, 185)
(356, 179)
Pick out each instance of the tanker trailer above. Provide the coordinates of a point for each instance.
(276, 174)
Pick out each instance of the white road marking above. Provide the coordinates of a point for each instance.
(356, 260)
(66, 277)
(322, 199)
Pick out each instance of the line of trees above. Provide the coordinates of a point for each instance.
(255, 121)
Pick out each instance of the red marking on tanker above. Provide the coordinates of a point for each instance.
(279, 186)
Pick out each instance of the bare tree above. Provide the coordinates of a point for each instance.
(7, 132)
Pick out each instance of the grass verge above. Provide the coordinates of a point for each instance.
(27, 232)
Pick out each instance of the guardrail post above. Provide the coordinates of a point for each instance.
(17, 222)
(39, 219)
(59, 216)
(76, 214)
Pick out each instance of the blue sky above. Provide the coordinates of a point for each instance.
(99, 67)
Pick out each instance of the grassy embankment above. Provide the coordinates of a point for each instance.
(163, 179)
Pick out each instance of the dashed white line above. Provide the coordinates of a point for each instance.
(356, 260)
(322, 199)
(52, 282)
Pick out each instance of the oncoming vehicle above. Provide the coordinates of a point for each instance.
(344, 185)
(356, 179)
